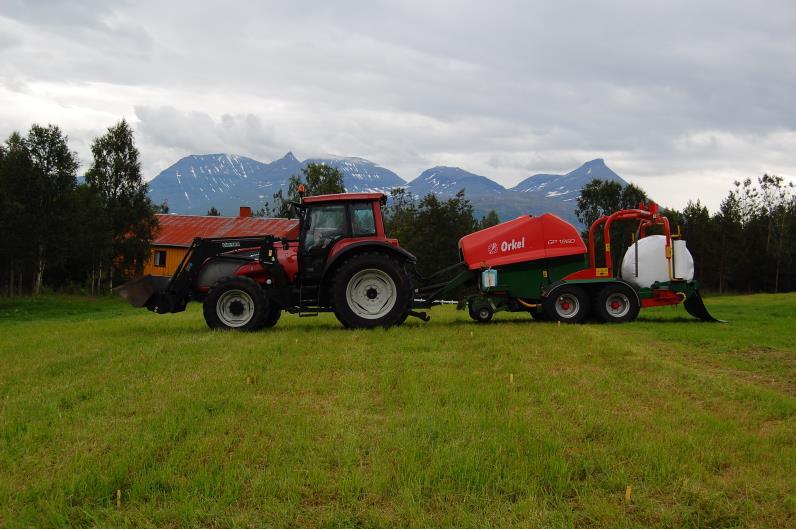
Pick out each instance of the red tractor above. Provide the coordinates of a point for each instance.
(342, 262)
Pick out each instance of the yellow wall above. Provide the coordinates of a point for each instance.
(173, 258)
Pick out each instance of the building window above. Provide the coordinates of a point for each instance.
(160, 258)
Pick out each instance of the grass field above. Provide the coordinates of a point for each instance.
(116, 417)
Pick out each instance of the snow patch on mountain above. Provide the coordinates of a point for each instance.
(448, 181)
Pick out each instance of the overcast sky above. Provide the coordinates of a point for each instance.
(680, 97)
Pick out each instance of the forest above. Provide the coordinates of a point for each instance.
(62, 234)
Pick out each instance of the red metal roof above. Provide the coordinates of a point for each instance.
(344, 197)
(180, 230)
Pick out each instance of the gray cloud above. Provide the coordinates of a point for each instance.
(681, 97)
(166, 134)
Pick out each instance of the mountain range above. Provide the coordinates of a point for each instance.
(227, 181)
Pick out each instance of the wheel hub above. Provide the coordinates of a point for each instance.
(617, 305)
(567, 306)
(371, 294)
(235, 308)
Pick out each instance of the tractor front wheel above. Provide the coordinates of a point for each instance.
(616, 304)
(567, 304)
(273, 315)
(236, 302)
(372, 290)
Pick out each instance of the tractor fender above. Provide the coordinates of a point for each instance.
(552, 287)
(357, 247)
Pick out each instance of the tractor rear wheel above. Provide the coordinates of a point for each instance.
(236, 302)
(372, 290)
(616, 304)
(567, 304)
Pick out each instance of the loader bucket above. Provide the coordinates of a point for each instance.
(695, 306)
(139, 291)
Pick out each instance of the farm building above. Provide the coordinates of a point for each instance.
(177, 232)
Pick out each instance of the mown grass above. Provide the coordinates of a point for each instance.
(445, 424)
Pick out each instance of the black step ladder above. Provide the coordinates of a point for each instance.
(309, 295)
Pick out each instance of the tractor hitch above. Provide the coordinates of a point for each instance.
(420, 315)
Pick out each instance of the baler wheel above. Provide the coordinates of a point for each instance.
(538, 314)
(236, 303)
(616, 304)
(482, 314)
(567, 304)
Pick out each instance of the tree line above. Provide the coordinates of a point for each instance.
(59, 232)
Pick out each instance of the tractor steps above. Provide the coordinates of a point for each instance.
(309, 296)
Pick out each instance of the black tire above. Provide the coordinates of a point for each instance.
(409, 270)
(616, 303)
(372, 290)
(481, 314)
(236, 303)
(567, 304)
(538, 314)
(273, 315)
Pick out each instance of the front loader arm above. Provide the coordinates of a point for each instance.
(180, 288)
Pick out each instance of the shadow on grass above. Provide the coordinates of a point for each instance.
(291, 325)
(674, 320)
(587, 322)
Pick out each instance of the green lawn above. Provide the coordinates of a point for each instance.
(444, 424)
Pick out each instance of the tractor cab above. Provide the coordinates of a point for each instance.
(331, 223)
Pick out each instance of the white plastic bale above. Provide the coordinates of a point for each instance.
(652, 263)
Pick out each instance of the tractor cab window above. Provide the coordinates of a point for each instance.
(326, 224)
(362, 221)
